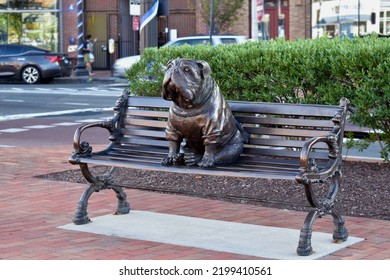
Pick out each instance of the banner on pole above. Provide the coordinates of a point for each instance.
(260, 10)
(149, 15)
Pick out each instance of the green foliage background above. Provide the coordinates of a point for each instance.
(304, 71)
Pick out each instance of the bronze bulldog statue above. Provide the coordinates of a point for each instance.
(201, 128)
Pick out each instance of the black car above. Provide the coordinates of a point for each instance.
(32, 64)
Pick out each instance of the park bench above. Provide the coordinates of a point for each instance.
(297, 142)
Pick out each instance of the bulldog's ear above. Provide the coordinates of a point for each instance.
(204, 67)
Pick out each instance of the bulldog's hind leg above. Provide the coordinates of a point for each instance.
(229, 154)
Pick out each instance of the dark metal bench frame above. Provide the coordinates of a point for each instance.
(297, 142)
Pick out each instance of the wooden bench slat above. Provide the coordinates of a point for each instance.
(145, 122)
(281, 142)
(283, 109)
(155, 165)
(144, 141)
(277, 121)
(285, 132)
(143, 132)
(281, 153)
(146, 113)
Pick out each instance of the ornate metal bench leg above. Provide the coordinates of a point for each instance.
(123, 206)
(304, 245)
(81, 215)
(340, 233)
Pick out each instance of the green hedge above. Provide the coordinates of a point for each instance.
(304, 71)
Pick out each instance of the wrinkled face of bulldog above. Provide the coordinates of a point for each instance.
(187, 82)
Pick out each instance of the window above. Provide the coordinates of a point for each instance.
(384, 22)
(29, 4)
(30, 22)
(228, 41)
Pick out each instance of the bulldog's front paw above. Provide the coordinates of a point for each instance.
(207, 161)
(192, 158)
(172, 160)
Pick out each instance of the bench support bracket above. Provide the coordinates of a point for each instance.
(98, 183)
(321, 207)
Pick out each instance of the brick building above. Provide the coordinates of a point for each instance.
(61, 24)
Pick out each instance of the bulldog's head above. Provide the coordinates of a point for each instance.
(187, 82)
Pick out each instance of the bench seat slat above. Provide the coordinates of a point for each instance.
(155, 165)
(244, 162)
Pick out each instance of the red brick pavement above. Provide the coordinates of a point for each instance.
(31, 209)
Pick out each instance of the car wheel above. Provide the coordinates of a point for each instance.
(31, 75)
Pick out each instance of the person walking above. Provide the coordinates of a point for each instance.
(87, 50)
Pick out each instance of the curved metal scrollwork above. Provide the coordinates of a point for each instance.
(311, 174)
(106, 180)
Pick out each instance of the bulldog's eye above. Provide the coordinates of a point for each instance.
(186, 69)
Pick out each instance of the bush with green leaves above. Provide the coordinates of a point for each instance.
(304, 71)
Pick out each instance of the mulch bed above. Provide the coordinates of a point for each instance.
(364, 191)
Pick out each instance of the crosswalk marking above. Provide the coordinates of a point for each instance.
(38, 126)
(13, 100)
(73, 91)
(77, 104)
(13, 130)
(17, 89)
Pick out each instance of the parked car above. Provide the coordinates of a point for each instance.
(32, 64)
(121, 64)
(205, 40)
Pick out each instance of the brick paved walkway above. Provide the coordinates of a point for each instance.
(31, 209)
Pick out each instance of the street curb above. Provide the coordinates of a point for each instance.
(85, 79)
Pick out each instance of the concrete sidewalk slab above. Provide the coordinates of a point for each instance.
(237, 238)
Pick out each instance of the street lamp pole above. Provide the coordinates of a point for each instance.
(358, 18)
(211, 20)
(80, 67)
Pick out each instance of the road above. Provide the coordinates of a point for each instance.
(42, 115)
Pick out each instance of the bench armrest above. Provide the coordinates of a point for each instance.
(82, 148)
(112, 125)
(308, 171)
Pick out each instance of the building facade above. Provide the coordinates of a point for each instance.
(60, 25)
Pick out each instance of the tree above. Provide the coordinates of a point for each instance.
(225, 12)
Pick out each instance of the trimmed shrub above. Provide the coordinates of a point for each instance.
(304, 71)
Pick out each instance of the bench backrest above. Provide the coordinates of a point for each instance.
(277, 130)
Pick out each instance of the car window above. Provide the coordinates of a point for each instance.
(228, 40)
(12, 50)
(191, 42)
